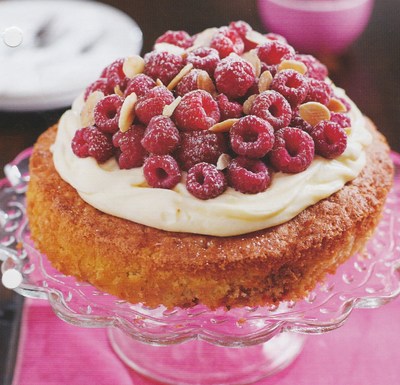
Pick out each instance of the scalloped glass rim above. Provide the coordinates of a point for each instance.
(367, 280)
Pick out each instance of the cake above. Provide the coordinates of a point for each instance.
(222, 168)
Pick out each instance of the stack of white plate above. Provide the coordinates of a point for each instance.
(64, 46)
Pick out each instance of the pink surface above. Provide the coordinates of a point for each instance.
(363, 351)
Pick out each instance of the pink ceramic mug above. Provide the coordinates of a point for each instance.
(317, 26)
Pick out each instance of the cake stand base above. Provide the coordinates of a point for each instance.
(198, 362)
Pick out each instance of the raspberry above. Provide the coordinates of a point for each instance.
(234, 76)
(161, 136)
(298, 122)
(204, 181)
(196, 111)
(89, 141)
(248, 176)
(254, 89)
(318, 91)
(252, 137)
(271, 68)
(162, 65)
(204, 58)
(273, 52)
(106, 113)
(330, 139)
(341, 119)
(292, 85)
(243, 28)
(315, 69)
(161, 171)
(345, 103)
(131, 153)
(179, 38)
(115, 74)
(227, 41)
(200, 146)
(153, 103)
(228, 109)
(276, 37)
(140, 84)
(272, 107)
(98, 85)
(293, 150)
(189, 82)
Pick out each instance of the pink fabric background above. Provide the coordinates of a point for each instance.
(365, 350)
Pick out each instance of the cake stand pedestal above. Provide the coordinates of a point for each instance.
(200, 362)
(199, 345)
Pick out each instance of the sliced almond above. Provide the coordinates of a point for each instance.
(265, 81)
(314, 112)
(293, 65)
(336, 105)
(254, 60)
(223, 161)
(170, 108)
(133, 65)
(159, 82)
(203, 39)
(183, 72)
(347, 130)
(248, 104)
(256, 37)
(223, 126)
(170, 48)
(127, 113)
(87, 113)
(204, 82)
(118, 91)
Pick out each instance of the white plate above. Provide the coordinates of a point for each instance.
(65, 46)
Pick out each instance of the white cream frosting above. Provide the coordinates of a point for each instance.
(123, 193)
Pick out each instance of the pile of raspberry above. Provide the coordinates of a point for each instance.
(230, 127)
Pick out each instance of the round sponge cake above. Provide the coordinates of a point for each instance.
(143, 264)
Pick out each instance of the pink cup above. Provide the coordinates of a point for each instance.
(317, 26)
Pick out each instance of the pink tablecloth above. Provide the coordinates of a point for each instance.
(363, 351)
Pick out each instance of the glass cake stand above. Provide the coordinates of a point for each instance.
(198, 345)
